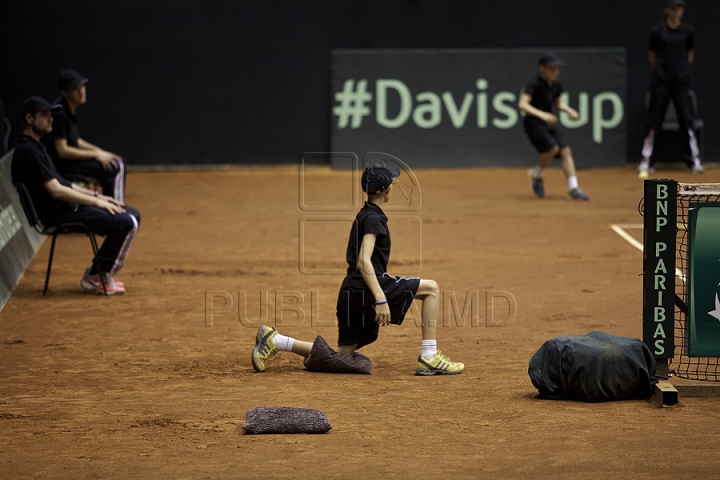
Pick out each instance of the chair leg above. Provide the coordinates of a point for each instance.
(47, 275)
(93, 242)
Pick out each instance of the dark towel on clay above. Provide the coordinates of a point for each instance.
(322, 358)
(285, 420)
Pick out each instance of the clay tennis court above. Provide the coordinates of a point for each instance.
(139, 387)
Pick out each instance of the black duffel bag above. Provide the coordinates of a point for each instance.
(595, 367)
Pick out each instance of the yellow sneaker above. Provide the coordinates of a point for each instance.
(439, 365)
(265, 348)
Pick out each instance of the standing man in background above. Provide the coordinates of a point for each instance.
(74, 157)
(671, 53)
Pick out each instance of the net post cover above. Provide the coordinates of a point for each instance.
(659, 267)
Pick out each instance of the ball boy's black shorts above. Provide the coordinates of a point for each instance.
(356, 309)
(541, 135)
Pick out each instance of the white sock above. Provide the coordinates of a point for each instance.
(429, 348)
(538, 171)
(694, 147)
(284, 343)
(572, 182)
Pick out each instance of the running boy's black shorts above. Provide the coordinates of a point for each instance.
(356, 309)
(541, 135)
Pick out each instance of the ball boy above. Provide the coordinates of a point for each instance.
(369, 297)
(537, 102)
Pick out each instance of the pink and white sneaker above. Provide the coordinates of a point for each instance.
(93, 283)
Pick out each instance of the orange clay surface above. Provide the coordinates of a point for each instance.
(156, 383)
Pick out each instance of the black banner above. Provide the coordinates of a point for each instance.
(458, 108)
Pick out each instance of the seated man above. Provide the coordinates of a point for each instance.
(74, 157)
(58, 201)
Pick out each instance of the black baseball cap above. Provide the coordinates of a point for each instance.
(377, 178)
(69, 78)
(37, 104)
(670, 3)
(550, 58)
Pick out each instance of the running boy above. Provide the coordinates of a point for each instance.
(369, 297)
(540, 125)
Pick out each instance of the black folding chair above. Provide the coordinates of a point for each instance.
(56, 230)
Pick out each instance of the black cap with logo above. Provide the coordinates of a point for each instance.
(377, 178)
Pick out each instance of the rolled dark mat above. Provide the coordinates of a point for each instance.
(322, 358)
(260, 420)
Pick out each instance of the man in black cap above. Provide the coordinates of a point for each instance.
(76, 158)
(59, 201)
(540, 97)
(369, 297)
(671, 53)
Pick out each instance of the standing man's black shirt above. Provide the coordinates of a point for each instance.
(672, 48)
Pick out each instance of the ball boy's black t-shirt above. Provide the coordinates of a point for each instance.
(543, 97)
(370, 219)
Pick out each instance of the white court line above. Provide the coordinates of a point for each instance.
(620, 230)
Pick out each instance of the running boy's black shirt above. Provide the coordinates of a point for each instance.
(65, 125)
(370, 219)
(543, 94)
(672, 48)
(32, 166)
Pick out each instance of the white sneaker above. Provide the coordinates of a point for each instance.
(645, 168)
(105, 286)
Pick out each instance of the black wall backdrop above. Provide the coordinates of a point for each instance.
(221, 81)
